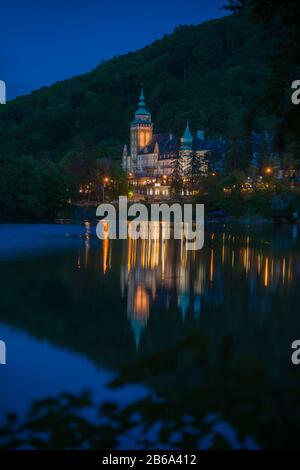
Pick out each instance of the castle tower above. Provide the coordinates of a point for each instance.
(141, 129)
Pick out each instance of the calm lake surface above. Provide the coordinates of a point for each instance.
(143, 344)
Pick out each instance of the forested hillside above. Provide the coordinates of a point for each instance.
(213, 74)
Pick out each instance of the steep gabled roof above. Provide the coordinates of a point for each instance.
(166, 143)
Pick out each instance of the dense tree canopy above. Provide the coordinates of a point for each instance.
(280, 20)
(213, 74)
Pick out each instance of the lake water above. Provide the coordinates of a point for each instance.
(142, 344)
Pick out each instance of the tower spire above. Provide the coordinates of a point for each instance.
(187, 138)
(142, 113)
(142, 103)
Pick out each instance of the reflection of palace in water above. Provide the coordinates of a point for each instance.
(157, 270)
(161, 271)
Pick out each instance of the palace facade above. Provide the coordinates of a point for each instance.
(149, 160)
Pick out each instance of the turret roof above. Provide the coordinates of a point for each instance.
(187, 138)
(142, 106)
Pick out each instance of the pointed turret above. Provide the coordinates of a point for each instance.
(142, 99)
(142, 114)
(187, 139)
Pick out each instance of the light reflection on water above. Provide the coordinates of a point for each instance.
(163, 270)
(114, 302)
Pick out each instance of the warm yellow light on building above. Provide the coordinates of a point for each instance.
(144, 137)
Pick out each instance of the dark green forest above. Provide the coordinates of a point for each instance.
(213, 74)
(229, 76)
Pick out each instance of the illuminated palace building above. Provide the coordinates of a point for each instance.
(149, 161)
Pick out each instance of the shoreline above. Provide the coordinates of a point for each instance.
(229, 220)
(78, 214)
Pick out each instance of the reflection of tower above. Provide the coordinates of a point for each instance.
(183, 279)
(137, 329)
(139, 272)
(138, 306)
(141, 304)
(159, 270)
(140, 313)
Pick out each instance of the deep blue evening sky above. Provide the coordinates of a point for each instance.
(45, 41)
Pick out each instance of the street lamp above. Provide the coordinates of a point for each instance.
(105, 180)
